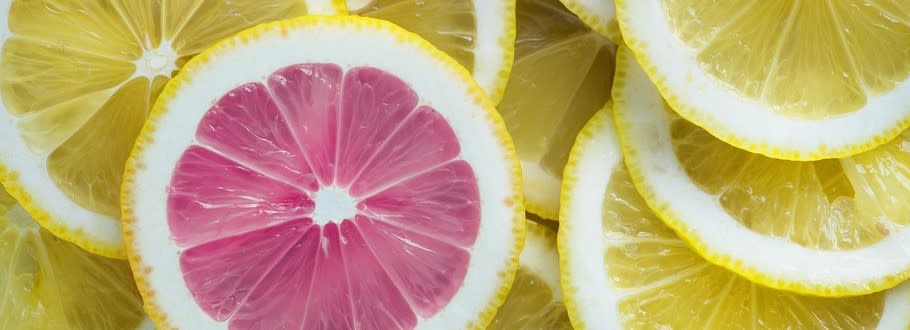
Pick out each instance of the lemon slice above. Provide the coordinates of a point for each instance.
(797, 80)
(535, 301)
(623, 268)
(350, 176)
(599, 14)
(47, 283)
(830, 227)
(562, 74)
(77, 80)
(479, 34)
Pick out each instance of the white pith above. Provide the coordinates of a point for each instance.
(584, 242)
(495, 21)
(350, 45)
(322, 7)
(541, 187)
(753, 123)
(647, 132)
(30, 169)
(581, 229)
(539, 257)
(356, 5)
(333, 205)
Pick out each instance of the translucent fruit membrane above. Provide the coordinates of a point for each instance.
(323, 199)
(664, 284)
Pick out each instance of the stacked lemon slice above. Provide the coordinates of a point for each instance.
(757, 164)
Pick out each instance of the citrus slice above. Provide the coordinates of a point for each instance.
(48, 283)
(350, 175)
(535, 301)
(830, 227)
(797, 80)
(623, 268)
(77, 79)
(562, 74)
(599, 14)
(479, 34)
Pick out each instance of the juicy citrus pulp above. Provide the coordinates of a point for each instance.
(828, 227)
(799, 80)
(479, 34)
(48, 283)
(342, 190)
(535, 301)
(78, 81)
(562, 74)
(623, 268)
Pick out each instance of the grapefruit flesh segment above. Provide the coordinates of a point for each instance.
(427, 270)
(378, 304)
(246, 125)
(309, 96)
(374, 105)
(286, 284)
(241, 204)
(329, 303)
(441, 203)
(424, 133)
(212, 197)
(258, 250)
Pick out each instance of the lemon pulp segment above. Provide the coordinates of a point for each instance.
(809, 59)
(47, 283)
(449, 25)
(530, 305)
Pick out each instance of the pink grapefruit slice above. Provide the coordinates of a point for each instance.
(323, 173)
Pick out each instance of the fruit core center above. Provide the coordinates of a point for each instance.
(333, 205)
(155, 62)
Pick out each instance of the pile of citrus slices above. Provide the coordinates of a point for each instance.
(453, 164)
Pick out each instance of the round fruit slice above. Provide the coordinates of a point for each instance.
(535, 301)
(830, 227)
(599, 14)
(562, 74)
(77, 79)
(623, 268)
(479, 34)
(797, 80)
(349, 175)
(48, 283)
